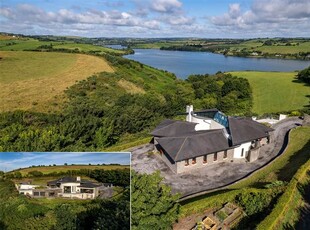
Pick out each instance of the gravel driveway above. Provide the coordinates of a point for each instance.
(216, 175)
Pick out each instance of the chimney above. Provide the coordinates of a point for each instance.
(189, 110)
(78, 178)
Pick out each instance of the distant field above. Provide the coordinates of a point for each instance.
(36, 80)
(302, 47)
(276, 91)
(29, 44)
(63, 168)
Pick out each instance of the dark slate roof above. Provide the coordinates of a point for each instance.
(172, 128)
(245, 129)
(66, 180)
(186, 147)
(89, 185)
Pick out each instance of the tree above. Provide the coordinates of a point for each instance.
(304, 75)
(35, 173)
(153, 205)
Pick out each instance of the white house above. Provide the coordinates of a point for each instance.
(26, 188)
(208, 137)
(67, 187)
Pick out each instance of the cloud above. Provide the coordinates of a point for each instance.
(267, 16)
(177, 20)
(32, 15)
(166, 6)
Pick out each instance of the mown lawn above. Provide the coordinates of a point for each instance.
(276, 91)
(36, 80)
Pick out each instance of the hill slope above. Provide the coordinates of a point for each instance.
(36, 80)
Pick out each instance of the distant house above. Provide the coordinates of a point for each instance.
(26, 188)
(66, 187)
(208, 137)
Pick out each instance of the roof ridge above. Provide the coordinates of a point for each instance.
(180, 148)
(166, 125)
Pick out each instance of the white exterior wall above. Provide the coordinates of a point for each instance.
(26, 192)
(78, 195)
(73, 186)
(245, 146)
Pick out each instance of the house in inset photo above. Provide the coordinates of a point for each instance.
(208, 137)
(66, 187)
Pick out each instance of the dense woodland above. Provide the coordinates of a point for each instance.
(100, 110)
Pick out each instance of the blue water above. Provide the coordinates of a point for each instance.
(184, 63)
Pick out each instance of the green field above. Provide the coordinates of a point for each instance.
(30, 44)
(36, 80)
(276, 91)
(64, 168)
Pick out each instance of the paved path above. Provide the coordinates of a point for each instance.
(216, 175)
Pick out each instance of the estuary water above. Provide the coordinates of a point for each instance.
(184, 63)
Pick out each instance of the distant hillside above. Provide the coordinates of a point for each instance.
(64, 168)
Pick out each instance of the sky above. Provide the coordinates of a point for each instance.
(15, 160)
(157, 18)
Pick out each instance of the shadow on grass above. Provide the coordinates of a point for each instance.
(2, 226)
(300, 82)
(294, 163)
(304, 219)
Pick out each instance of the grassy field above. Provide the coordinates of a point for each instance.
(36, 80)
(276, 91)
(64, 168)
(30, 43)
(282, 49)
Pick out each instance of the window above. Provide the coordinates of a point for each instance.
(215, 156)
(194, 160)
(67, 189)
(205, 159)
(242, 152)
(186, 162)
(225, 154)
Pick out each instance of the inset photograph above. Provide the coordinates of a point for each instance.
(80, 190)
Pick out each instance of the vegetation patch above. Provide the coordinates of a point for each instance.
(287, 210)
(130, 87)
(276, 91)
